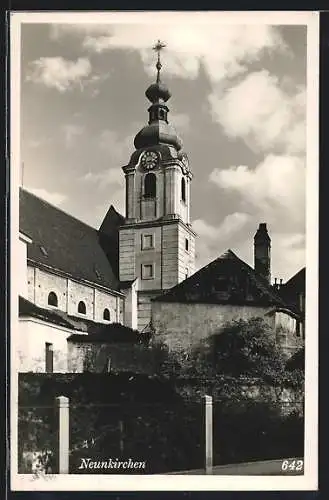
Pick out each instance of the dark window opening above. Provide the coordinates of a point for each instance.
(186, 244)
(82, 307)
(106, 315)
(150, 185)
(49, 358)
(161, 114)
(52, 299)
(183, 189)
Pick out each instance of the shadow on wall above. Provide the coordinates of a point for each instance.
(113, 348)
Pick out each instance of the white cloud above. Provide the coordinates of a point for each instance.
(225, 50)
(287, 249)
(287, 252)
(71, 132)
(105, 178)
(230, 225)
(180, 121)
(214, 240)
(116, 148)
(259, 110)
(96, 216)
(59, 73)
(53, 198)
(275, 187)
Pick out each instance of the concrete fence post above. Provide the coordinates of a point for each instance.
(62, 404)
(208, 433)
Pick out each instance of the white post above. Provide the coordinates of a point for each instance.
(208, 434)
(62, 403)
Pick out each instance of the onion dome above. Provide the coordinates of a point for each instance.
(157, 91)
(158, 131)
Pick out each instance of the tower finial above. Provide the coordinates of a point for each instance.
(157, 48)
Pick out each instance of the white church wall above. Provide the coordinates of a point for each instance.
(69, 293)
(33, 336)
(105, 301)
(80, 293)
(44, 284)
(182, 326)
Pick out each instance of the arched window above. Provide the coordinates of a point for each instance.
(150, 185)
(183, 189)
(81, 307)
(52, 299)
(106, 315)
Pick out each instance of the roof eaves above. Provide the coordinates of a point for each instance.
(65, 274)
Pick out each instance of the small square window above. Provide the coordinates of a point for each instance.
(186, 244)
(147, 271)
(147, 241)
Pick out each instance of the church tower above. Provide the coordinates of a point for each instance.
(156, 243)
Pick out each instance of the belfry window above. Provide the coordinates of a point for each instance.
(150, 185)
(183, 190)
(81, 307)
(52, 299)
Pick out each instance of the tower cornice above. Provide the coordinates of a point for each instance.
(163, 221)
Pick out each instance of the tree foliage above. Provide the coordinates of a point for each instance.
(242, 359)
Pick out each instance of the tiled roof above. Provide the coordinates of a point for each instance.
(67, 244)
(97, 332)
(296, 282)
(27, 308)
(109, 236)
(291, 290)
(226, 280)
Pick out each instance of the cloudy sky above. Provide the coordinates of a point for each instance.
(238, 102)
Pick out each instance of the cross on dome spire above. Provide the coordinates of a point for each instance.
(157, 48)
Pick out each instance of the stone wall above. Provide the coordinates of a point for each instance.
(110, 357)
(182, 326)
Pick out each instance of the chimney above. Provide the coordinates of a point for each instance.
(262, 252)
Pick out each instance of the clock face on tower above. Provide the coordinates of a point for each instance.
(149, 160)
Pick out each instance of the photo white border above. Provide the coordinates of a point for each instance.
(309, 481)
